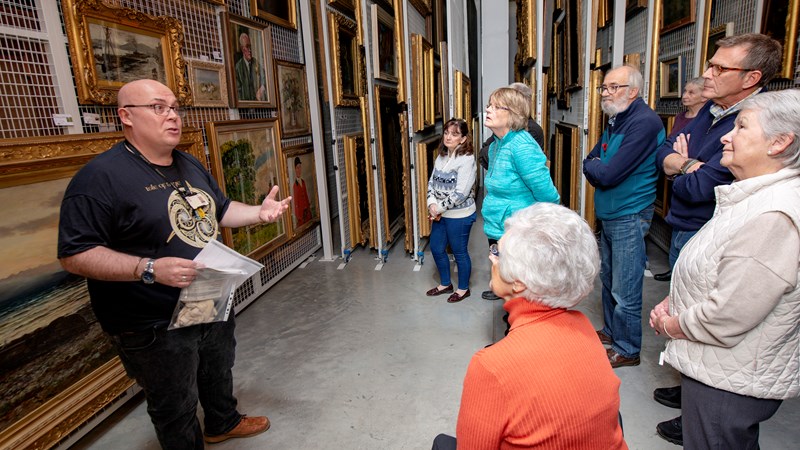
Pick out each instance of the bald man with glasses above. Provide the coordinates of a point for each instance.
(740, 68)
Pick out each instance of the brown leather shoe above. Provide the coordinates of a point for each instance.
(455, 298)
(436, 291)
(618, 360)
(604, 338)
(248, 426)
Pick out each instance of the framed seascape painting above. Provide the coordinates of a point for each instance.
(281, 12)
(301, 179)
(245, 162)
(59, 369)
(293, 93)
(208, 83)
(248, 62)
(111, 46)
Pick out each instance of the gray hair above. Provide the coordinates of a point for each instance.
(523, 89)
(553, 252)
(779, 115)
(763, 54)
(635, 79)
(699, 82)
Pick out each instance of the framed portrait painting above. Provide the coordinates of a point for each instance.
(245, 162)
(111, 46)
(208, 83)
(301, 179)
(293, 94)
(346, 58)
(280, 12)
(671, 78)
(248, 62)
(384, 55)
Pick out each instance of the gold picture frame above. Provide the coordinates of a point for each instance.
(400, 40)
(249, 85)
(565, 167)
(304, 210)
(346, 60)
(280, 12)
(102, 63)
(208, 83)
(360, 188)
(676, 14)
(671, 78)
(384, 50)
(783, 30)
(345, 5)
(526, 34)
(246, 161)
(422, 89)
(462, 94)
(426, 152)
(76, 377)
(710, 39)
(295, 118)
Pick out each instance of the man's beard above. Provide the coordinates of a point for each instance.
(614, 107)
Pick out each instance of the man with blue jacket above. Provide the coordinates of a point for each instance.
(622, 168)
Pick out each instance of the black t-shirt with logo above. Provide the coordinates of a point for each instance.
(119, 201)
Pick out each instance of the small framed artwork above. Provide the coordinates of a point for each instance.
(249, 62)
(301, 178)
(670, 79)
(346, 60)
(384, 54)
(103, 58)
(714, 35)
(280, 12)
(245, 162)
(293, 93)
(208, 83)
(677, 13)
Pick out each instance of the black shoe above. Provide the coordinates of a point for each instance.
(489, 295)
(666, 276)
(670, 396)
(671, 430)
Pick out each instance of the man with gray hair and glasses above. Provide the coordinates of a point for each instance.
(740, 68)
(622, 169)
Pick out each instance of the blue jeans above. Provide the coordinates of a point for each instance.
(679, 239)
(622, 259)
(177, 368)
(456, 233)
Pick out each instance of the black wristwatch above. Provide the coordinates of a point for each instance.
(149, 276)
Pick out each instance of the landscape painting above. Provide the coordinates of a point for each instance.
(123, 54)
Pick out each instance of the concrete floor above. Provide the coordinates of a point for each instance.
(360, 358)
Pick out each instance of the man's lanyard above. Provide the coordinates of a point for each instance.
(195, 201)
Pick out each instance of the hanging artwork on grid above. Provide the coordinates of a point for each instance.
(111, 46)
(248, 62)
(281, 12)
(295, 118)
(301, 178)
(208, 83)
(671, 79)
(346, 60)
(384, 53)
(245, 162)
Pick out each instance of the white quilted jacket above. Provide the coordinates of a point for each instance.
(765, 363)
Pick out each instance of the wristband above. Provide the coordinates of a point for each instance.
(664, 323)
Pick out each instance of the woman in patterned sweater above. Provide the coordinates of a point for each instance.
(451, 208)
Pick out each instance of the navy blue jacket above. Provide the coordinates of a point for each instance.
(693, 200)
(622, 165)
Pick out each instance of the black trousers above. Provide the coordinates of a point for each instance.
(444, 442)
(717, 419)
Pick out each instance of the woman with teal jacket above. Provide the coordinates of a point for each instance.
(517, 176)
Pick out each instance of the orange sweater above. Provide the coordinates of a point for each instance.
(547, 385)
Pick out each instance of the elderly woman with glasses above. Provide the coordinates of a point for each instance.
(451, 208)
(517, 176)
(734, 305)
(548, 383)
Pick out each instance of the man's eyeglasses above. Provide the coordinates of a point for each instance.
(496, 107)
(611, 88)
(161, 110)
(718, 70)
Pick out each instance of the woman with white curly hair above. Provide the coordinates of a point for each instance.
(548, 383)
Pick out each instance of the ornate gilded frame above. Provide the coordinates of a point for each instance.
(526, 34)
(204, 88)
(681, 13)
(381, 55)
(306, 154)
(42, 159)
(462, 95)
(285, 15)
(295, 117)
(775, 10)
(426, 153)
(422, 73)
(361, 228)
(670, 81)
(400, 40)
(341, 28)
(79, 15)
